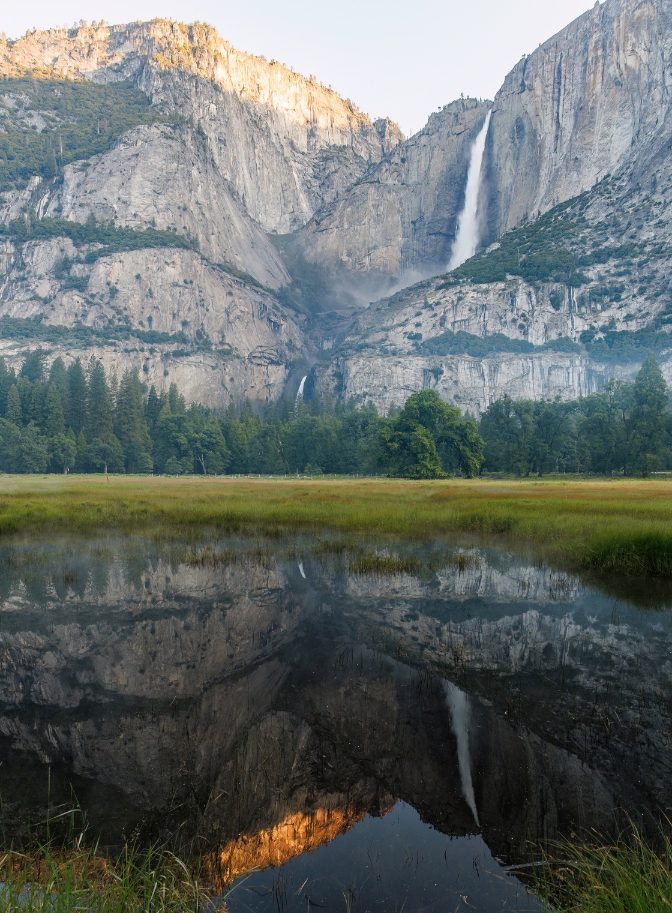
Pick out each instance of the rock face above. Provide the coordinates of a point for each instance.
(390, 354)
(247, 149)
(589, 106)
(399, 221)
(590, 100)
(470, 383)
(255, 148)
(586, 103)
(163, 177)
(617, 237)
(175, 296)
(285, 143)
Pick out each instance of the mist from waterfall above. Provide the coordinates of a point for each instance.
(467, 237)
(459, 710)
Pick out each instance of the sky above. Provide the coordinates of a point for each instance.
(394, 58)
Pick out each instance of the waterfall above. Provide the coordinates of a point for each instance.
(299, 395)
(467, 237)
(459, 710)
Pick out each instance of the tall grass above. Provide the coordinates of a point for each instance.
(628, 877)
(48, 880)
(621, 527)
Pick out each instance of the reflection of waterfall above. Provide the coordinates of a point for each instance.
(466, 240)
(299, 395)
(459, 709)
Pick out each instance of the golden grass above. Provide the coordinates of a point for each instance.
(50, 880)
(628, 877)
(624, 527)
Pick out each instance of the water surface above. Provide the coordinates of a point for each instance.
(363, 728)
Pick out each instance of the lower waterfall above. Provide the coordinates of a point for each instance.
(299, 395)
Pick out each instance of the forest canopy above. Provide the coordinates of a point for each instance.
(77, 419)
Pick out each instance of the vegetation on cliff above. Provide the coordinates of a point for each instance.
(606, 346)
(559, 246)
(105, 237)
(49, 123)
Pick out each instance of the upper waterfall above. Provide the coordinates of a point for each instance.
(459, 708)
(467, 237)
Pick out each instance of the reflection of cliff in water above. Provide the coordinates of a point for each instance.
(270, 712)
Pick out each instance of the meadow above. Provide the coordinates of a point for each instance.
(619, 527)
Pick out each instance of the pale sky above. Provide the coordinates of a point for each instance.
(397, 58)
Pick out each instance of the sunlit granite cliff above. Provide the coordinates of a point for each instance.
(244, 147)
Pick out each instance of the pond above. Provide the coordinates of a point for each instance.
(330, 724)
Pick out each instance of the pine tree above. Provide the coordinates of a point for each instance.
(33, 366)
(25, 388)
(152, 408)
(14, 412)
(177, 404)
(648, 438)
(54, 423)
(131, 426)
(58, 376)
(7, 378)
(82, 453)
(100, 416)
(78, 396)
(35, 408)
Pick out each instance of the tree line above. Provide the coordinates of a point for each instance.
(76, 419)
(626, 428)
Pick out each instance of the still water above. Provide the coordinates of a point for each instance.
(331, 725)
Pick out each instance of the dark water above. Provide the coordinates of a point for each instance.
(351, 738)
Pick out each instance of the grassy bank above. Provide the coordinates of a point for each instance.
(629, 877)
(621, 527)
(61, 881)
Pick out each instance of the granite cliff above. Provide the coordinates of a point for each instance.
(234, 147)
(400, 219)
(576, 198)
(248, 176)
(592, 99)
